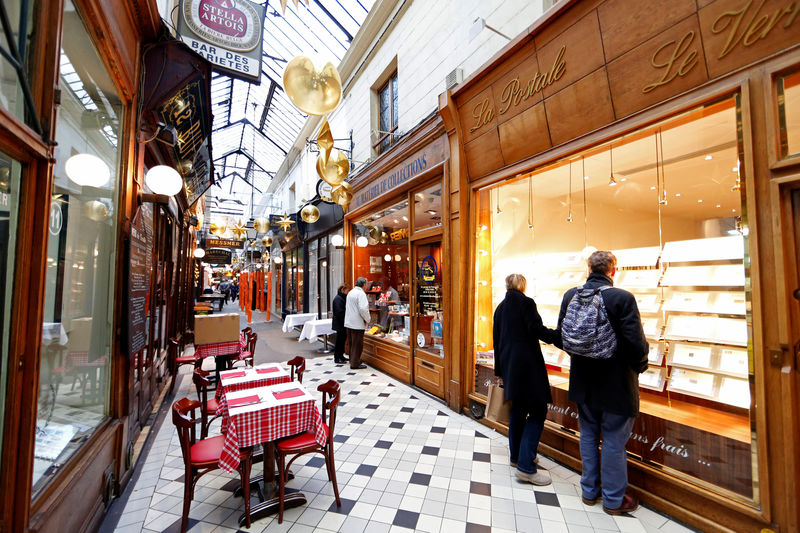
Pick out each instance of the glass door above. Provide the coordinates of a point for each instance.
(428, 317)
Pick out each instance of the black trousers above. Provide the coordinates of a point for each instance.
(338, 349)
(355, 338)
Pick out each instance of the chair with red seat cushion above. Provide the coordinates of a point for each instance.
(304, 443)
(297, 365)
(208, 406)
(248, 350)
(175, 361)
(202, 456)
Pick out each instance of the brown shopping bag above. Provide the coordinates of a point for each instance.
(497, 408)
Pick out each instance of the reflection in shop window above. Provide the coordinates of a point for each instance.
(10, 171)
(79, 289)
(12, 98)
(381, 256)
(428, 208)
(789, 114)
(667, 200)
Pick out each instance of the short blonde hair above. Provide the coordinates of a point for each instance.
(516, 282)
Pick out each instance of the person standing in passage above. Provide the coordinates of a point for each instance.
(518, 360)
(606, 390)
(339, 307)
(356, 318)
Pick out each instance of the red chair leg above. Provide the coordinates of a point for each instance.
(281, 484)
(332, 475)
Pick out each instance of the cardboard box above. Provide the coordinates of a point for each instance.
(216, 328)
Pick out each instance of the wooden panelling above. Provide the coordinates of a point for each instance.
(513, 92)
(429, 376)
(582, 107)
(477, 115)
(627, 23)
(666, 65)
(557, 26)
(525, 135)
(389, 357)
(583, 52)
(739, 32)
(484, 154)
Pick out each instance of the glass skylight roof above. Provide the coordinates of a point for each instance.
(255, 125)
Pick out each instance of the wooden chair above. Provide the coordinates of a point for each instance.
(297, 365)
(175, 361)
(305, 443)
(208, 406)
(202, 456)
(248, 353)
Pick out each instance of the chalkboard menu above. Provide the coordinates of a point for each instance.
(139, 265)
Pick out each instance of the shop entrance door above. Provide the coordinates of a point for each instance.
(428, 318)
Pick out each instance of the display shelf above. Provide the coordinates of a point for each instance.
(692, 382)
(652, 327)
(711, 358)
(717, 302)
(734, 391)
(732, 331)
(654, 378)
(704, 276)
(638, 279)
(709, 249)
(638, 257)
(733, 361)
(648, 303)
(656, 354)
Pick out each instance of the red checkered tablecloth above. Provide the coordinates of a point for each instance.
(82, 359)
(267, 423)
(254, 381)
(217, 348)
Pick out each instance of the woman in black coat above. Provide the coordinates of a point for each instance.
(518, 360)
(339, 305)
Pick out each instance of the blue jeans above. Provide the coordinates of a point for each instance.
(524, 432)
(613, 468)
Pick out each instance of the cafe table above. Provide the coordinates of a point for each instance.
(314, 328)
(297, 319)
(247, 378)
(263, 415)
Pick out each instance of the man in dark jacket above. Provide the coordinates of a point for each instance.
(518, 360)
(607, 391)
(339, 305)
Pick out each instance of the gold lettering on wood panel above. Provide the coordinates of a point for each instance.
(514, 93)
(483, 114)
(756, 28)
(679, 63)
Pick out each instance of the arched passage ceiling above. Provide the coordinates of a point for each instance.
(255, 125)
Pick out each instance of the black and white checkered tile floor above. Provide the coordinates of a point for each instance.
(404, 462)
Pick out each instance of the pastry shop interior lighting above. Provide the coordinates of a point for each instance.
(199, 253)
(337, 241)
(709, 157)
(162, 179)
(362, 241)
(612, 182)
(387, 258)
(405, 218)
(484, 227)
(483, 252)
(87, 170)
(397, 257)
(483, 283)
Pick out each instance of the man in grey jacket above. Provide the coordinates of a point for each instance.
(356, 318)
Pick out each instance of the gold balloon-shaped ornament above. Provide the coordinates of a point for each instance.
(261, 225)
(266, 240)
(218, 228)
(325, 141)
(312, 91)
(309, 213)
(335, 171)
(342, 194)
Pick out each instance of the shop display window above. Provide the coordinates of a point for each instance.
(789, 114)
(12, 97)
(428, 208)
(78, 329)
(668, 201)
(381, 256)
(10, 172)
(313, 264)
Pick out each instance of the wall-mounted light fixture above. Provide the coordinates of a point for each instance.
(199, 253)
(162, 179)
(87, 170)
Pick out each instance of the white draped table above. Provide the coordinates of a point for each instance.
(297, 319)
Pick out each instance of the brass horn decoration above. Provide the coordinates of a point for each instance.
(342, 194)
(312, 91)
(266, 240)
(335, 171)
(240, 230)
(218, 228)
(261, 225)
(325, 141)
(374, 234)
(309, 213)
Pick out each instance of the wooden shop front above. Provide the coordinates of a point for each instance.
(397, 238)
(669, 134)
(81, 349)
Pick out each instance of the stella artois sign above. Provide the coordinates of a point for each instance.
(228, 33)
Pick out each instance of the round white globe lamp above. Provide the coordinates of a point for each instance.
(199, 253)
(87, 170)
(362, 242)
(162, 179)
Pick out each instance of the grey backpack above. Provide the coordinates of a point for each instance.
(586, 329)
